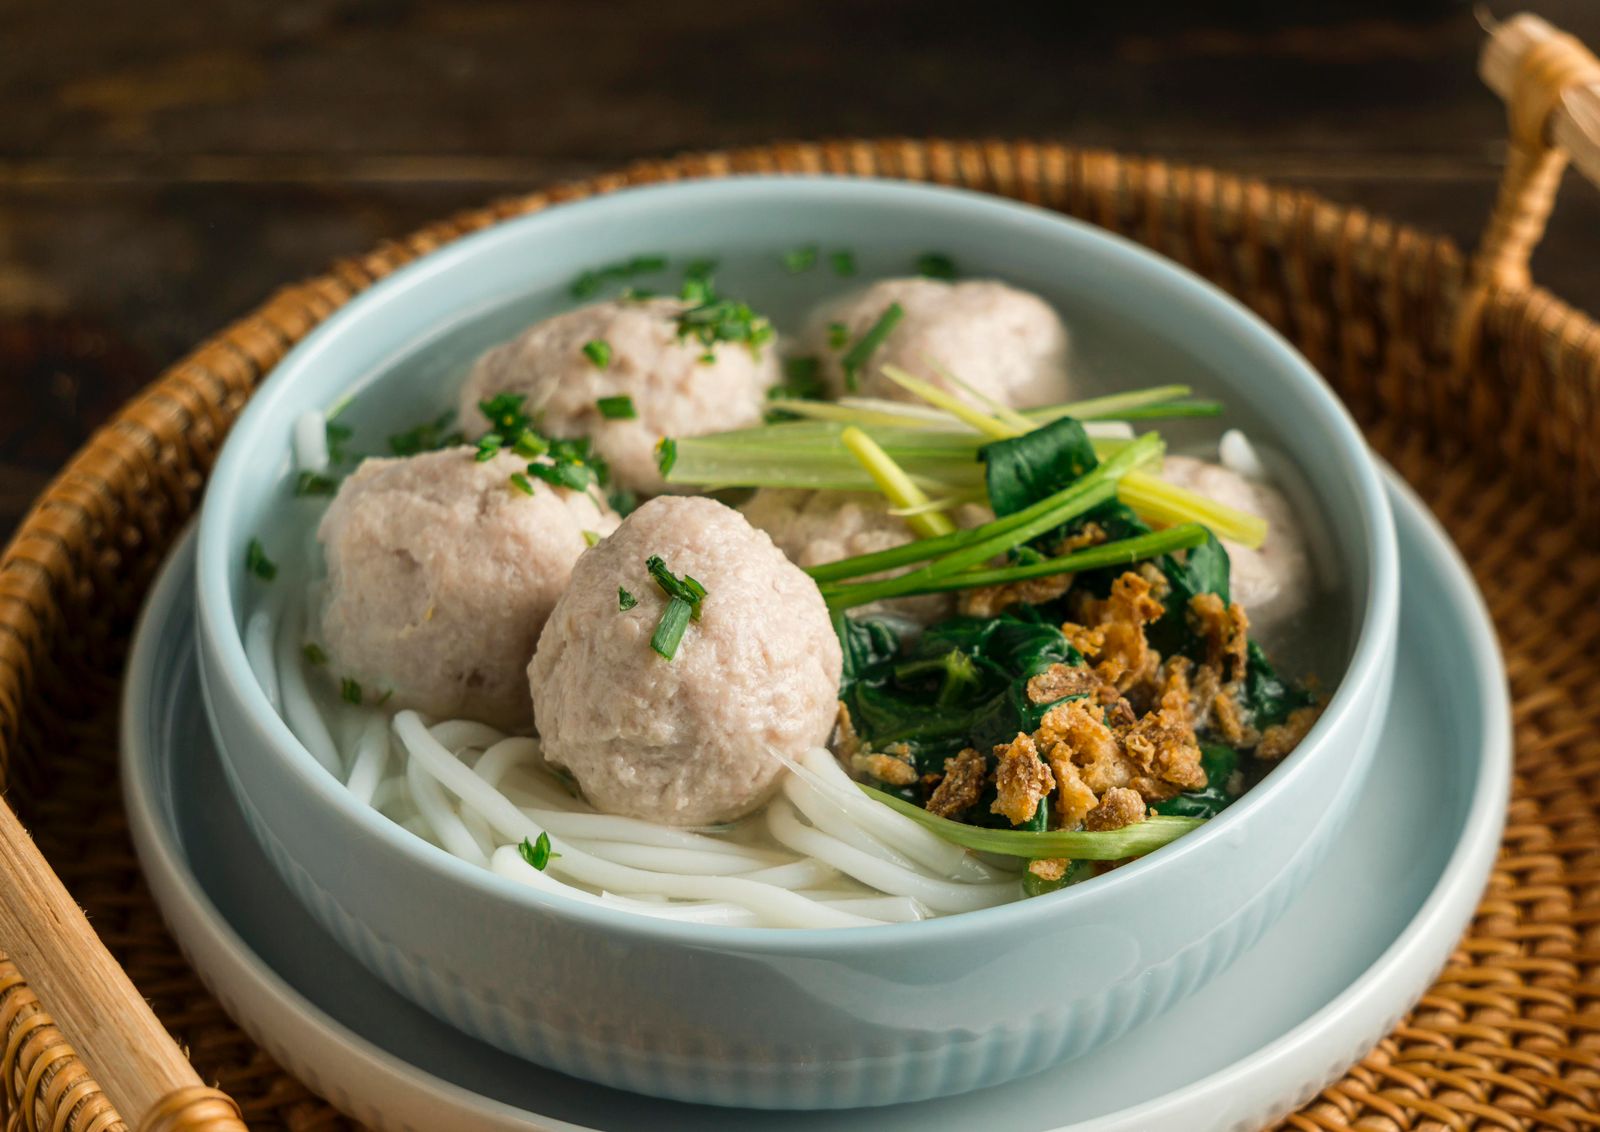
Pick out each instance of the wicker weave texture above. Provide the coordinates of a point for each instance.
(1499, 445)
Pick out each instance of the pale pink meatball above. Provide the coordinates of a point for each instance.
(1008, 344)
(686, 741)
(677, 385)
(441, 575)
(1274, 583)
(817, 527)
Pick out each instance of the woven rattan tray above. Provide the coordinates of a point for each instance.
(1483, 390)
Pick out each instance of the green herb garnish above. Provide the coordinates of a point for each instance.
(618, 408)
(800, 259)
(337, 435)
(802, 381)
(598, 351)
(537, 853)
(489, 446)
(257, 562)
(625, 600)
(590, 537)
(564, 473)
(684, 596)
(838, 336)
(844, 263)
(857, 355)
(724, 320)
(383, 699)
(589, 283)
(936, 265)
(522, 483)
(313, 653)
(666, 454)
(530, 444)
(349, 691)
(430, 436)
(670, 629)
(505, 413)
(315, 483)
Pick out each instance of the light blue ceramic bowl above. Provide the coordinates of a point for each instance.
(790, 1018)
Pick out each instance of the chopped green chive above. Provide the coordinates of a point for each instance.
(349, 691)
(619, 408)
(590, 537)
(313, 653)
(685, 587)
(625, 600)
(589, 283)
(315, 483)
(522, 483)
(858, 355)
(670, 629)
(537, 853)
(684, 596)
(844, 263)
(838, 336)
(383, 699)
(489, 447)
(800, 259)
(801, 381)
(337, 435)
(666, 454)
(530, 444)
(505, 413)
(257, 562)
(936, 265)
(622, 501)
(563, 473)
(429, 436)
(716, 320)
(598, 351)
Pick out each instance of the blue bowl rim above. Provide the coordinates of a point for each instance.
(217, 558)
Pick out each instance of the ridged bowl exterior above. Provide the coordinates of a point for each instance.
(800, 1019)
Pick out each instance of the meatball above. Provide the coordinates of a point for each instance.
(685, 741)
(1274, 583)
(1007, 344)
(441, 575)
(675, 390)
(815, 527)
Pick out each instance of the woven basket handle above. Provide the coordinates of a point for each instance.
(1551, 84)
(97, 1019)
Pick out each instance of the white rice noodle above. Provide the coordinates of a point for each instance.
(436, 811)
(311, 442)
(258, 650)
(819, 769)
(776, 906)
(299, 709)
(504, 756)
(661, 859)
(939, 895)
(371, 760)
(455, 734)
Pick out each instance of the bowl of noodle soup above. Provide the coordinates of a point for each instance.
(804, 945)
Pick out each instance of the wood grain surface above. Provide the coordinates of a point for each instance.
(165, 165)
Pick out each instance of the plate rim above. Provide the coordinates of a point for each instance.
(180, 896)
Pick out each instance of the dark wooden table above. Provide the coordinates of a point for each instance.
(165, 164)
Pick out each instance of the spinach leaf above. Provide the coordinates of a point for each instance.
(963, 684)
(1025, 469)
(1219, 762)
(1268, 698)
(1202, 570)
(865, 642)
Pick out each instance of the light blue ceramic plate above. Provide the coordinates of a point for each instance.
(1368, 933)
